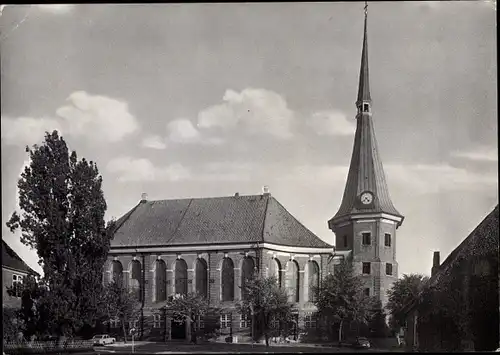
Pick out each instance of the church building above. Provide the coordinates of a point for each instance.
(211, 245)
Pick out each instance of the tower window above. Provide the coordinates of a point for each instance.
(367, 268)
(367, 292)
(366, 108)
(388, 269)
(367, 238)
(345, 241)
(387, 240)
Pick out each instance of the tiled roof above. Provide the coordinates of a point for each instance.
(216, 220)
(11, 260)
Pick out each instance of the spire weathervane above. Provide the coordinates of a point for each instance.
(366, 8)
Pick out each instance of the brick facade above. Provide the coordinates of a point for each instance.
(213, 260)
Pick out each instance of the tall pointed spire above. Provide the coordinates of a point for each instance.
(364, 77)
(366, 188)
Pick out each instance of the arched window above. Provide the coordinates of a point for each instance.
(292, 281)
(227, 280)
(181, 276)
(312, 274)
(117, 272)
(247, 273)
(274, 270)
(135, 279)
(201, 277)
(161, 280)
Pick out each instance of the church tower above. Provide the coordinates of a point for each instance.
(367, 220)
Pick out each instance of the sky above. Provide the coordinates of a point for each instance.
(200, 100)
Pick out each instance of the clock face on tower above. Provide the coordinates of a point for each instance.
(366, 198)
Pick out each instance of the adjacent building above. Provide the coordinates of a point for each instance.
(458, 307)
(14, 270)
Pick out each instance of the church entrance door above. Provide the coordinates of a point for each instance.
(178, 330)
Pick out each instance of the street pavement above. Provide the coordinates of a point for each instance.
(216, 348)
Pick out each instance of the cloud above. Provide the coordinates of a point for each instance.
(56, 9)
(183, 131)
(143, 170)
(487, 154)
(255, 111)
(154, 142)
(331, 123)
(130, 170)
(23, 131)
(97, 117)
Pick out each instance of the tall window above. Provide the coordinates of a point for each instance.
(201, 277)
(387, 240)
(199, 323)
(135, 279)
(274, 270)
(292, 281)
(161, 280)
(388, 269)
(225, 320)
(247, 272)
(181, 276)
(157, 321)
(227, 280)
(245, 320)
(310, 320)
(367, 268)
(367, 238)
(17, 285)
(117, 272)
(312, 280)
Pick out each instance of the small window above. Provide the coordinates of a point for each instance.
(366, 108)
(367, 292)
(367, 238)
(200, 323)
(345, 241)
(310, 320)
(366, 268)
(17, 283)
(156, 321)
(388, 269)
(225, 320)
(387, 240)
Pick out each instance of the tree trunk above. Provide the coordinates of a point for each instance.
(124, 332)
(193, 332)
(340, 331)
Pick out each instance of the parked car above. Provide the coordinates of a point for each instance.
(103, 339)
(361, 343)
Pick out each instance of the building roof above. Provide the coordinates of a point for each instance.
(366, 172)
(482, 240)
(11, 260)
(215, 220)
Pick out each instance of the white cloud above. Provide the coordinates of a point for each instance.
(331, 123)
(131, 169)
(487, 154)
(57, 9)
(143, 170)
(183, 131)
(97, 117)
(154, 142)
(256, 111)
(27, 130)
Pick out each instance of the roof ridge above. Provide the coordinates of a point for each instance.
(124, 218)
(8, 248)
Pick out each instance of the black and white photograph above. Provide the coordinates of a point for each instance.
(249, 177)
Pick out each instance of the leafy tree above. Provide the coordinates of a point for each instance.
(121, 304)
(12, 324)
(62, 217)
(268, 305)
(377, 322)
(190, 308)
(401, 293)
(341, 298)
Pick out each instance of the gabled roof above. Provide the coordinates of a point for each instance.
(482, 240)
(11, 260)
(215, 220)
